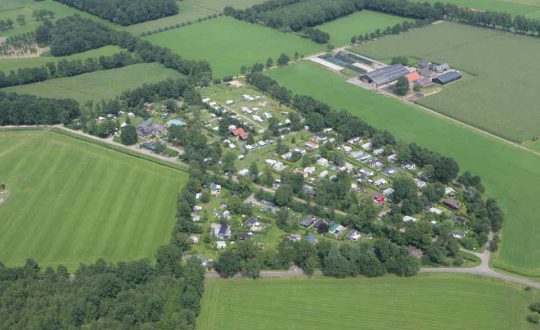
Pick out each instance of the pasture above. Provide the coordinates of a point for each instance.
(72, 201)
(13, 8)
(14, 64)
(342, 29)
(422, 302)
(511, 175)
(99, 85)
(498, 97)
(229, 44)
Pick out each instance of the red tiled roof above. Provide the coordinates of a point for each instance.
(413, 76)
(241, 133)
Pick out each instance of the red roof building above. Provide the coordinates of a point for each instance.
(412, 77)
(239, 132)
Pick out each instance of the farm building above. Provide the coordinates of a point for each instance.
(147, 128)
(412, 77)
(385, 75)
(239, 132)
(447, 77)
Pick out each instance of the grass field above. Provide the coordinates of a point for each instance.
(189, 10)
(422, 302)
(229, 44)
(16, 63)
(72, 201)
(510, 174)
(499, 97)
(341, 30)
(13, 8)
(99, 85)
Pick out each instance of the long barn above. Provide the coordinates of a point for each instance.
(385, 75)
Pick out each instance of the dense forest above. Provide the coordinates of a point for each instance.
(127, 295)
(126, 12)
(25, 109)
(299, 14)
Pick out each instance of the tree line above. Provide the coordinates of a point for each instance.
(126, 12)
(25, 109)
(74, 34)
(65, 68)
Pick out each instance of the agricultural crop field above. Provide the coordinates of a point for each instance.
(511, 175)
(14, 64)
(72, 201)
(229, 44)
(341, 30)
(423, 302)
(498, 97)
(14, 8)
(99, 85)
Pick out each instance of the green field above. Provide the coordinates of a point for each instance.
(72, 201)
(500, 96)
(229, 44)
(13, 8)
(7, 65)
(99, 85)
(510, 174)
(422, 302)
(189, 11)
(341, 30)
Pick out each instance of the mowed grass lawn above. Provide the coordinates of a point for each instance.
(72, 201)
(14, 64)
(229, 44)
(341, 30)
(99, 85)
(499, 97)
(422, 302)
(511, 175)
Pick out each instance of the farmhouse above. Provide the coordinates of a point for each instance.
(412, 77)
(147, 128)
(385, 75)
(447, 77)
(240, 133)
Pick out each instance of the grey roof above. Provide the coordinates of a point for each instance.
(387, 74)
(447, 77)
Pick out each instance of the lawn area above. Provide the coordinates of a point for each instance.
(500, 96)
(441, 301)
(511, 175)
(72, 201)
(341, 30)
(99, 85)
(13, 8)
(229, 44)
(16, 63)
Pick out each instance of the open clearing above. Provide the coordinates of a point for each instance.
(511, 175)
(189, 11)
(421, 302)
(228, 44)
(498, 97)
(341, 30)
(26, 8)
(99, 85)
(73, 201)
(16, 63)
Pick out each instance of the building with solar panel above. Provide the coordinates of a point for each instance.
(447, 77)
(385, 75)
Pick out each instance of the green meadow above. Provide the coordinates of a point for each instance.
(8, 64)
(443, 301)
(99, 85)
(229, 44)
(72, 201)
(529, 8)
(510, 174)
(341, 30)
(498, 96)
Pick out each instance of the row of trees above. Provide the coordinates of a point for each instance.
(65, 68)
(126, 12)
(75, 34)
(32, 110)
